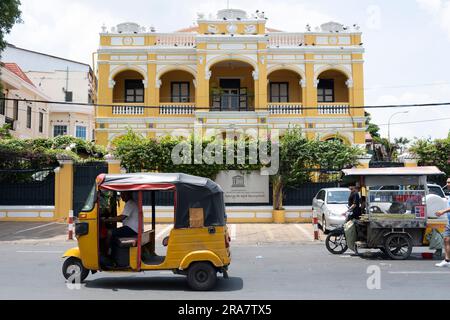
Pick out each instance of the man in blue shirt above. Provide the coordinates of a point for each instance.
(446, 261)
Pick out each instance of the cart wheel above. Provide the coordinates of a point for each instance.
(336, 243)
(73, 266)
(202, 276)
(398, 246)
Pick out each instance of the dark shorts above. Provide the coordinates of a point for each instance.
(123, 232)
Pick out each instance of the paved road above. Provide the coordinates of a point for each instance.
(277, 270)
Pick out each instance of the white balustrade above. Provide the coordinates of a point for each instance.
(128, 110)
(175, 40)
(176, 108)
(284, 108)
(285, 39)
(333, 108)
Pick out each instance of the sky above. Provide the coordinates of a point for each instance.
(407, 43)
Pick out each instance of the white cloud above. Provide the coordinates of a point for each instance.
(62, 28)
(439, 10)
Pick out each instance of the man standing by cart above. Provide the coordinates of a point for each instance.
(354, 203)
(446, 261)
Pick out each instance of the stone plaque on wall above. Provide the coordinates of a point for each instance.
(244, 187)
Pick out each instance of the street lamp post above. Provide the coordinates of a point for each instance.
(389, 131)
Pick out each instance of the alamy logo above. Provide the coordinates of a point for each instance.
(374, 280)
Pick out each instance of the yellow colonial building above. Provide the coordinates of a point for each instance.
(231, 71)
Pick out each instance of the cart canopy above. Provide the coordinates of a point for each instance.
(191, 192)
(390, 176)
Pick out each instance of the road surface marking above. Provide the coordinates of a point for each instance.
(307, 234)
(38, 251)
(163, 231)
(233, 231)
(41, 226)
(419, 272)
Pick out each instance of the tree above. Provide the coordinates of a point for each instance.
(372, 128)
(9, 15)
(433, 153)
(300, 158)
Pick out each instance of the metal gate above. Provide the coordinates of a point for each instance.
(83, 180)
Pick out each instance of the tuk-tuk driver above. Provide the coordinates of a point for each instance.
(129, 218)
(446, 261)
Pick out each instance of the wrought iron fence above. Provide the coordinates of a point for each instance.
(31, 187)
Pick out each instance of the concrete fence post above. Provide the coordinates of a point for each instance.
(63, 189)
(113, 164)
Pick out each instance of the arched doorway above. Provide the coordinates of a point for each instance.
(128, 87)
(177, 86)
(232, 86)
(332, 87)
(284, 86)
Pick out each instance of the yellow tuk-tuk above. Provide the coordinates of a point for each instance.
(197, 246)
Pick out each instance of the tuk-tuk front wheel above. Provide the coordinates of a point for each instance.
(202, 276)
(398, 246)
(74, 270)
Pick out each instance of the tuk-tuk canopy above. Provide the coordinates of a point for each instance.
(190, 192)
(390, 176)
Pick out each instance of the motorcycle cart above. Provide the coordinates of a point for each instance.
(394, 219)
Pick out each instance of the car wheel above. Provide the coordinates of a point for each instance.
(73, 269)
(202, 276)
(324, 225)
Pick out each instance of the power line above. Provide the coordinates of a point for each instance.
(434, 104)
(417, 121)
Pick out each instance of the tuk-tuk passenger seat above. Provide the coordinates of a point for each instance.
(132, 241)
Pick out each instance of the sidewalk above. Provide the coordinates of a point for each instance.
(241, 234)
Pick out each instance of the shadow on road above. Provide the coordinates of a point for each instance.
(160, 283)
(371, 255)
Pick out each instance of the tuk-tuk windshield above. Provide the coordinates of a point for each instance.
(90, 201)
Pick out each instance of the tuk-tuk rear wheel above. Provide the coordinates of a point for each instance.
(202, 276)
(398, 246)
(74, 266)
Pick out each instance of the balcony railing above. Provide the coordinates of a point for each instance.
(176, 40)
(333, 108)
(176, 108)
(128, 110)
(284, 107)
(286, 39)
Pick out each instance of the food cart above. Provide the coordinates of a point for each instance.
(395, 219)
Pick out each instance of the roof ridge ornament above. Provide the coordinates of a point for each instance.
(332, 27)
